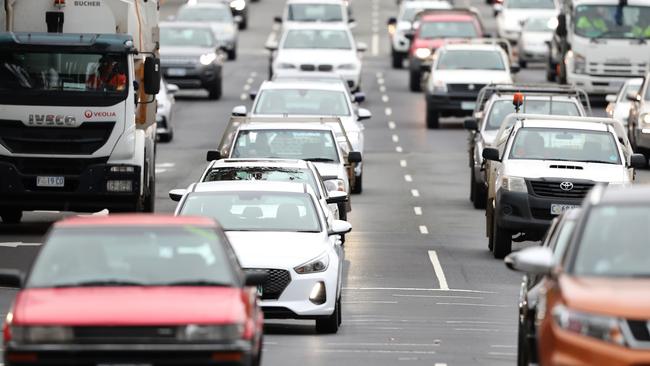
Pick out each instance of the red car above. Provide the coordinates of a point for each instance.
(134, 290)
(434, 28)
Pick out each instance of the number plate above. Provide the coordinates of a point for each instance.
(557, 208)
(467, 105)
(50, 181)
(176, 72)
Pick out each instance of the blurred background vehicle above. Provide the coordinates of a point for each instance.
(532, 45)
(165, 111)
(219, 17)
(511, 15)
(238, 8)
(620, 104)
(639, 117)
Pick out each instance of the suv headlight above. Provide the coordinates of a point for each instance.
(439, 87)
(208, 58)
(604, 328)
(645, 118)
(579, 63)
(513, 184)
(285, 65)
(422, 53)
(319, 264)
(41, 334)
(210, 333)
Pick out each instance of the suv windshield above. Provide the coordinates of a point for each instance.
(137, 256)
(610, 21)
(315, 13)
(217, 14)
(310, 145)
(629, 228)
(565, 145)
(530, 4)
(256, 211)
(317, 39)
(470, 60)
(303, 101)
(176, 36)
(429, 30)
(502, 108)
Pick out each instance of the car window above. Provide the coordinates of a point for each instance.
(438, 29)
(409, 13)
(286, 144)
(530, 4)
(303, 101)
(220, 14)
(147, 256)
(560, 244)
(255, 211)
(186, 37)
(611, 21)
(565, 145)
(502, 108)
(317, 39)
(614, 243)
(315, 12)
(272, 174)
(470, 60)
(538, 25)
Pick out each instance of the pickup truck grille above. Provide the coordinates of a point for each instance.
(545, 188)
(311, 67)
(276, 283)
(83, 140)
(465, 88)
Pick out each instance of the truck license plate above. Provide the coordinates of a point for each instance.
(176, 72)
(467, 105)
(557, 208)
(50, 181)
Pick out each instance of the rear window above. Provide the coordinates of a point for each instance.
(436, 29)
(470, 60)
(502, 108)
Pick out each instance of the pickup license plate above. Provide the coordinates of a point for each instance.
(176, 72)
(467, 105)
(557, 208)
(50, 181)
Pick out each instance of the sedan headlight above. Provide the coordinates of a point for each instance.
(319, 264)
(439, 87)
(347, 67)
(422, 53)
(513, 184)
(335, 185)
(41, 334)
(208, 58)
(238, 5)
(604, 328)
(284, 65)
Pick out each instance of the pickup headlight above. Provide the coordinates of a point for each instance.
(347, 67)
(284, 65)
(579, 64)
(208, 58)
(422, 53)
(319, 264)
(335, 185)
(210, 333)
(513, 184)
(439, 87)
(604, 328)
(41, 334)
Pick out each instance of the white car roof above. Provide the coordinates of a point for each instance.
(303, 84)
(316, 26)
(471, 47)
(567, 124)
(341, 2)
(287, 126)
(556, 98)
(267, 163)
(428, 4)
(253, 186)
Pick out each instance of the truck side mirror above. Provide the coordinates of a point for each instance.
(561, 29)
(152, 75)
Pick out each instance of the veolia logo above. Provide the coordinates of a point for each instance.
(102, 114)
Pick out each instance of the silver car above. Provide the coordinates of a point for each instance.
(165, 111)
(219, 17)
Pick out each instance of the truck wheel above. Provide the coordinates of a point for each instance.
(358, 184)
(215, 92)
(398, 60)
(330, 325)
(502, 240)
(232, 54)
(522, 348)
(11, 216)
(433, 118)
(415, 81)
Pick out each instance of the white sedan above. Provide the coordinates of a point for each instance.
(278, 228)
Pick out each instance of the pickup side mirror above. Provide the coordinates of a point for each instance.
(534, 260)
(255, 278)
(363, 114)
(277, 19)
(172, 89)
(471, 124)
(340, 227)
(213, 155)
(239, 111)
(252, 94)
(177, 194)
(362, 47)
(11, 278)
(638, 161)
(271, 46)
(359, 97)
(515, 68)
(336, 197)
(152, 75)
(491, 153)
(410, 35)
(354, 157)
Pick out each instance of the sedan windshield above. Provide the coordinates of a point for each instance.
(273, 174)
(317, 39)
(429, 30)
(565, 145)
(186, 37)
(502, 108)
(409, 13)
(303, 101)
(133, 256)
(315, 13)
(628, 227)
(530, 4)
(470, 60)
(217, 14)
(256, 211)
(318, 146)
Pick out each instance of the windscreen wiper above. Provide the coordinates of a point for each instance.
(101, 283)
(322, 160)
(207, 283)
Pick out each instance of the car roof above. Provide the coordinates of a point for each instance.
(634, 194)
(271, 163)
(286, 126)
(471, 47)
(134, 220)
(315, 2)
(304, 84)
(566, 124)
(216, 4)
(427, 4)
(316, 26)
(441, 15)
(252, 186)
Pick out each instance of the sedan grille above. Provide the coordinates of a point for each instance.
(276, 282)
(121, 335)
(557, 188)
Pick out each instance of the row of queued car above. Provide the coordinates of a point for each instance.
(259, 235)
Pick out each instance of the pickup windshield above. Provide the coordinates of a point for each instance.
(271, 173)
(609, 21)
(502, 108)
(317, 39)
(303, 102)
(315, 13)
(310, 145)
(470, 60)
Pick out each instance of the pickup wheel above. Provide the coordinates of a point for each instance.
(415, 81)
(489, 225)
(523, 63)
(501, 241)
(244, 22)
(433, 118)
(358, 184)
(478, 196)
(550, 71)
(232, 54)
(150, 196)
(11, 216)
(215, 91)
(330, 325)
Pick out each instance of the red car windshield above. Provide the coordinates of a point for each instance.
(455, 29)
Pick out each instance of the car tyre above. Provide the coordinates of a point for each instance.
(501, 241)
(232, 54)
(330, 325)
(398, 60)
(522, 349)
(550, 72)
(433, 118)
(478, 195)
(358, 184)
(523, 63)
(216, 90)
(244, 23)
(415, 81)
(11, 216)
(166, 136)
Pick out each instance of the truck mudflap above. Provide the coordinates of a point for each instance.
(68, 184)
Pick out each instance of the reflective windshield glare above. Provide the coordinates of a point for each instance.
(286, 144)
(305, 102)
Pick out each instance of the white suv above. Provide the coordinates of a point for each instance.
(543, 165)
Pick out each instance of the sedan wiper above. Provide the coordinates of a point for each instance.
(319, 159)
(101, 283)
(207, 283)
(595, 161)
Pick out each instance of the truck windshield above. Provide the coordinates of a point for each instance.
(609, 21)
(40, 72)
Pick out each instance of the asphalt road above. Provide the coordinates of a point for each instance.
(421, 287)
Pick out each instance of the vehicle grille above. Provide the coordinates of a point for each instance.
(310, 67)
(544, 188)
(103, 335)
(465, 88)
(276, 282)
(640, 330)
(82, 140)
(617, 69)
(46, 166)
(178, 60)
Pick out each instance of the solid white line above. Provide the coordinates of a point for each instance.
(375, 44)
(416, 289)
(17, 244)
(391, 125)
(402, 163)
(502, 346)
(473, 322)
(468, 304)
(382, 344)
(437, 268)
(398, 149)
(415, 193)
(440, 364)
(243, 96)
(388, 111)
(165, 165)
(384, 98)
(408, 178)
(370, 302)
(424, 230)
(375, 351)
(395, 138)
(417, 210)
(476, 329)
(501, 354)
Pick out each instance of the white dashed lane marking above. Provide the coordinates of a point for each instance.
(415, 193)
(423, 230)
(391, 125)
(398, 149)
(408, 178)
(403, 163)
(417, 210)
